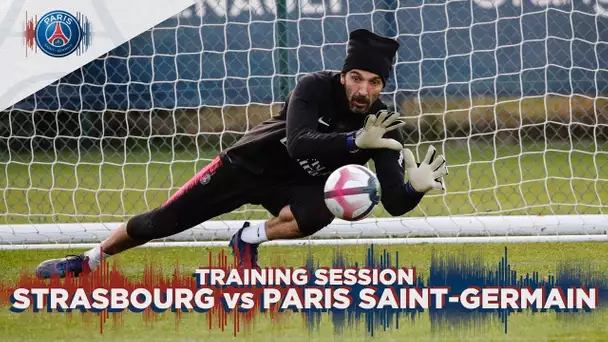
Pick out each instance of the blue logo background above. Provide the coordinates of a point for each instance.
(58, 33)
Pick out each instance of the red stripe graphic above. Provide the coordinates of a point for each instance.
(210, 169)
(106, 277)
(29, 33)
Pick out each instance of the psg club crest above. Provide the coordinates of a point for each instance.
(58, 33)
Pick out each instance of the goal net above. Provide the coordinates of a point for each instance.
(512, 92)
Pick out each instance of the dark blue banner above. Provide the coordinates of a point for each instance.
(235, 52)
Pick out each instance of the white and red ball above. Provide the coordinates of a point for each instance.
(352, 192)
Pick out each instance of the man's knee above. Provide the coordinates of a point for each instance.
(311, 221)
(151, 225)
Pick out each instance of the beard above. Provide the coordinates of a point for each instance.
(359, 104)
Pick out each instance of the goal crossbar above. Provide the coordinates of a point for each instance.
(399, 230)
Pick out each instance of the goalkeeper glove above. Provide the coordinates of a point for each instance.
(371, 135)
(428, 175)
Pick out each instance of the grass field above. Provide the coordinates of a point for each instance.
(483, 179)
(518, 179)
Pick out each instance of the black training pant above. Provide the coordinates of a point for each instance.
(222, 187)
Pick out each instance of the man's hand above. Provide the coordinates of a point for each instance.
(371, 135)
(428, 175)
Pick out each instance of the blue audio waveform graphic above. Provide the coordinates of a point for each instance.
(458, 271)
(85, 42)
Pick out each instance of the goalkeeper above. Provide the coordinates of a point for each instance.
(329, 120)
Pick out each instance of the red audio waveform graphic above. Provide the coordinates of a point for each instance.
(29, 33)
(111, 277)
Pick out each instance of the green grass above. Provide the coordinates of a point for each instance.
(131, 326)
(483, 179)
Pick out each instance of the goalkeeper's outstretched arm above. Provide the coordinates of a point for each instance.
(401, 195)
(398, 196)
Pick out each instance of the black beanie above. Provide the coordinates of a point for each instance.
(370, 52)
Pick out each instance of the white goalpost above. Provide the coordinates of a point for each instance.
(493, 229)
(513, 93)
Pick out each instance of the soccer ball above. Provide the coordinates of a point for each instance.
(352, 192)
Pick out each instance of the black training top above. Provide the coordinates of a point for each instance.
(307, 141)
